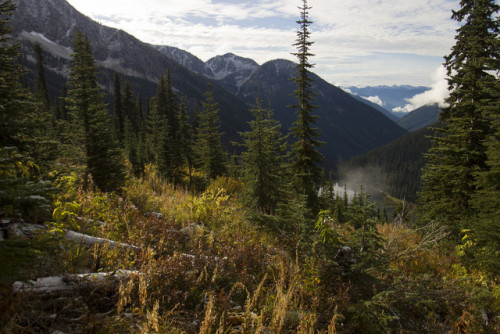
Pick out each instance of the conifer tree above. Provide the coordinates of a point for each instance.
(41, 142)
(196, 120)
(128, 106)
(185, 137)
(41, 90)
(458, 152)
(165, 156)
(131, 144)
(486, 201)
(22, 191)
(211, 156)
(12, 111)
(262, 161)
(139, 113)
(118, 114)
(154, 132)
(172, 118)
(305, 158)
(61, 110)
(103, 159)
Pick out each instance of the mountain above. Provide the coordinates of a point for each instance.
(420, 118)
(232, 71)
(347, 126)
(186, 59)
(394, 168)
(384, 111)
(52, 23)
(391, 96)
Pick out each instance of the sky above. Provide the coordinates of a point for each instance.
(356, 43)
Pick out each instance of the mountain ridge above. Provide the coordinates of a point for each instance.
(349, 127)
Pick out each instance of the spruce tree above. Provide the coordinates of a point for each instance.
(211, 156)
(172, 118)
(262, 161)
(139, 113)
(458, 152)
(165, 156)
(12, 111)
(118, 114)
(185, 138)
(41, 90)
(154, 132)
(131, 145)
(92, 124)
(486, 201)
(22, 191)
(128, 105)
(42, 142)
(306, 160)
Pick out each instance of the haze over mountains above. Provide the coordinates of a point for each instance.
(348, 126)
(388, 97)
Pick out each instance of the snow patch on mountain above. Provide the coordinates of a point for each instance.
(232, 66)
(116, 65)
(186, 59)
(283, 67)
(47, 45)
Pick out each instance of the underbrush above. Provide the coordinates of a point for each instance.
(196, 265)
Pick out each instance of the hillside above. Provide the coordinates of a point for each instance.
(53, 23)
(394, 168)
(420, 118)
(349, 127)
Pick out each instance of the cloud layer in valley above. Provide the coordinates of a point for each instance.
(436, 95)
(366, 42)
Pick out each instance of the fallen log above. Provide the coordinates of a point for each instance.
(91, 240)
(68, 283)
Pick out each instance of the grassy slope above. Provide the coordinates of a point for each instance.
(206, 268)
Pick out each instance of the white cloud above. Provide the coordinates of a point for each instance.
(345, 89)
(436, 95)
(347, 34)
(374, 99)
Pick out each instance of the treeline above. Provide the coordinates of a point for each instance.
(77, 133)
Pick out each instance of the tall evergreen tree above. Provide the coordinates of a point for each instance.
(196, 119)
(131, 145)
(165, 156)
(128, 105)
(118, 114)
(458, 152)
(305, 158)
(61, 110)
(154, 131)
(262, 161)
(185, 137)
(42, 140)
(139, 113)
(103, 159)
(486, 201)
(211, 156)
(12, 114)
(172, 118)
(22, 192)
(41, 90)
